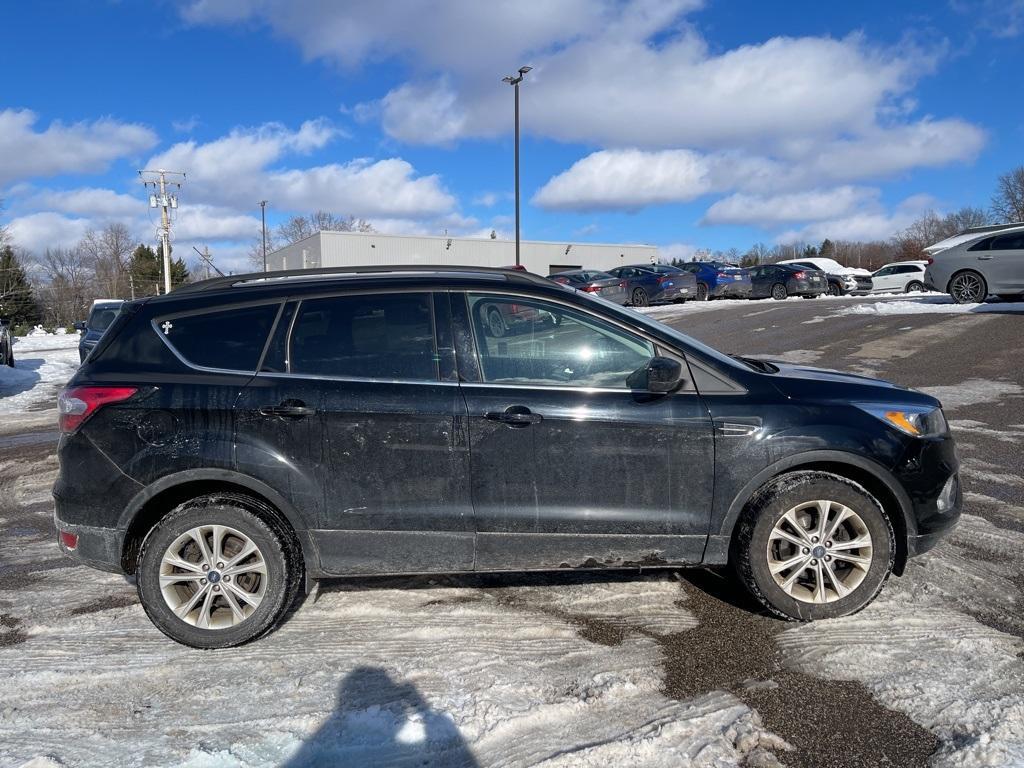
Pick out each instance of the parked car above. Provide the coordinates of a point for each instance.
(593, 281)
(101, 316)
(648, 283)
(780, 281)
(6, 343)
(899, 277)
(239, 438)
(717, 280)
(987, 264)
(842, 280)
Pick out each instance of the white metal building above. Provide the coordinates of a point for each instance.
(344, 249)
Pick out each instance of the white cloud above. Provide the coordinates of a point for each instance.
(38, 231)
(210, 223)
(87, 201)
(812, 205)
(681, 251)
(64, 148)
(870, 224)
(186, 126)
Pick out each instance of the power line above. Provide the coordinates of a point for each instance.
(165, 203)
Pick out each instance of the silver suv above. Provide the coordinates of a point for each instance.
(977, 264)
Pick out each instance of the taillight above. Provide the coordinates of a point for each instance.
(77, 404)
(799, 275)
(622, 283)
(69, 540)
(664, 278)
(723, 274)
(591, 288)
(930, 261)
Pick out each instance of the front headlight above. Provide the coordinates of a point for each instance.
(916, 420)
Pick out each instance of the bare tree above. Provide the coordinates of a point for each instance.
(931, 228)
(300, 227)
(1008, 201)
(66, 288)
(107, 253)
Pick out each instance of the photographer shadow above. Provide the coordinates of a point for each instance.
(380, 722)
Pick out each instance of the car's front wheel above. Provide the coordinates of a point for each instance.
(213, 574)
(813, 545)
(834, 289)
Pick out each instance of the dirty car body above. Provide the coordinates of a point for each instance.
(376, 425)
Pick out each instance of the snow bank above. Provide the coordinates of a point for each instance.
(43, 363)
(928, 305)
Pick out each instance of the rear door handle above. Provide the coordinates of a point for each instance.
(515, 416)
(289, 409)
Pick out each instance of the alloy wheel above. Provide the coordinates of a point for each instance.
(967, 288)
(779, 292)
(213, 577)
(819, 551)
(639, 298)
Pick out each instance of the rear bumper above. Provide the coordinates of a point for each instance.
(736, 290)
(97, 547)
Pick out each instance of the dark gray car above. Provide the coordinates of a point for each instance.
(6, 344)
(780, 281)
(100, 317)
(596, 282)
(991, 263)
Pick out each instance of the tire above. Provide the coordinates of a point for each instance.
(968, 287)
(496, 323)
(272, 580)
(834, 289)
(640, 297)
(796, 495)
(779, 292)
(703, 294)
(914, 285)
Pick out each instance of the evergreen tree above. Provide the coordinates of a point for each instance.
(145, 268)
(827, 249)
(17, 300)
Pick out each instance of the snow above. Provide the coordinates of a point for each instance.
(830, 266)
(973, 391)
(929, 305)
(923, 647)
(43, 363)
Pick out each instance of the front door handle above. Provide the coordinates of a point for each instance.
(289, 409)
(515, 416)
(984, 258)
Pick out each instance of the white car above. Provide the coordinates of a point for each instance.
(899, 277)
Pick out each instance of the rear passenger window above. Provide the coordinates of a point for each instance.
(1008, 243)
(230, 339)
(384, 336)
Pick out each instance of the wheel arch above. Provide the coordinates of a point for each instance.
(875, 478)
(956, 273)
(161, 497)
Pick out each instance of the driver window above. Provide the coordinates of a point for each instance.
(524, 341)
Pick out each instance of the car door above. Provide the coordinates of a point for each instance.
(761, 282)
(885, 279)
(395, 468)
(1004, 270)
(570, 467)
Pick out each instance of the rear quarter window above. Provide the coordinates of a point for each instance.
(229, 339)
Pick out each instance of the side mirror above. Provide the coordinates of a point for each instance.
(659, 374)
(79, 325)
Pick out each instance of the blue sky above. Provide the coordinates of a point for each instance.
(679, 123)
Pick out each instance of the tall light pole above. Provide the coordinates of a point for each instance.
(514, 81)
(263, 218)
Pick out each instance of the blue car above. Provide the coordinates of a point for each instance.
(648, 283)
(716, 280)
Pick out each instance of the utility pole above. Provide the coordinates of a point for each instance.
(263, 218)
(514, 82)
(165, 203)
(208, 260)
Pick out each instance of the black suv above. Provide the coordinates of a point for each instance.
(233, 441)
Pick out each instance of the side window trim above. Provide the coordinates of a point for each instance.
(156, 322)
(328, 377)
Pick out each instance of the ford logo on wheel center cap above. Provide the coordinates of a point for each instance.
(213, 577)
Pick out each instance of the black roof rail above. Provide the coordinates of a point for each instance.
(230, 281)
(992, 228)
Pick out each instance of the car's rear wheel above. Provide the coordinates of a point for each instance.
(914, 286)
(213, 574)
(779, 292)
(702, 292)
(968, 287)
(814, 545)
(640, 297)
(496, 323)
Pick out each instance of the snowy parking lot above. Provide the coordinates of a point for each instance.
(653, 668)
